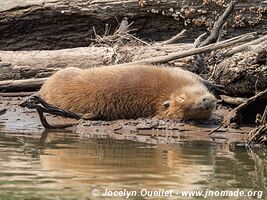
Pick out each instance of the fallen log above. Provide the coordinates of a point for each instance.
(35, 84)
(244, 73)
(122, 32)
(68, 24)
(38, 64)
(21, 85)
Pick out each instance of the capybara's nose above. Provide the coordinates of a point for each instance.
(208, 102)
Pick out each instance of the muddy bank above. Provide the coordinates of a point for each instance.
(22, 120)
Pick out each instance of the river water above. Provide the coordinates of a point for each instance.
(66, 166)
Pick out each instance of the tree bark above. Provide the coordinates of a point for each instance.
(58, 24)
(244, 73)
(39, 64)
(21, 85)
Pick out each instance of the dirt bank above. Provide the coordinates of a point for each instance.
(153, 130)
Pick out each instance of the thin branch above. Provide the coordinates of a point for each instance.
(174, 39)
(245, 46)
(123, 28)
(233, 114)
(95, 34)
(259, 135)
(199, 40)
(21, 85)
(16, 94)
(232, 100)
(106, 30)
(139, 40)
(251, 100)
(190, 52)
(264, 116)
(35, 102)
(215, 33)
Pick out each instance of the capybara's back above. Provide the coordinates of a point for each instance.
(130, 91)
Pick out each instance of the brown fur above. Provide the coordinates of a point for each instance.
(130, 92)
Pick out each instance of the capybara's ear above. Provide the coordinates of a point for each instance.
(181, 98)
(166, 104)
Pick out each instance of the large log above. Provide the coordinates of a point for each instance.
(39, 64)
(244, 73)
(38, 61)
(58, 24)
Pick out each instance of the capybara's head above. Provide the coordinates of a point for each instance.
(189, 103)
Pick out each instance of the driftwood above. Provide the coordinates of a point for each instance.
(38, 64)
(244, 73)
(16, 94)
(190, 52)
(236, 101)
(215, 36)
(21, 85)
(34, 84)
(234, 116)
(175, 38)
(218, 25)
(68, 24)
(245, 46)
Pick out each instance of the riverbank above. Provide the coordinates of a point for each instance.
(152, 130)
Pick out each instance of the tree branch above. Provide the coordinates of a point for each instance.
(215, 33)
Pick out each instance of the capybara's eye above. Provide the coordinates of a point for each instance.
(166, 104)
(204, 99)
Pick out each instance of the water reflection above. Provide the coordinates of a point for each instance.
(64, 165)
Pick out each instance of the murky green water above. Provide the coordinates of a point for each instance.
(65, 166)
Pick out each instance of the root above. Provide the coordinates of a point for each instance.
(234, 114)
(35, 102)
(259, 134)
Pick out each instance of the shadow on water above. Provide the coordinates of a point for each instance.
(64, 166)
